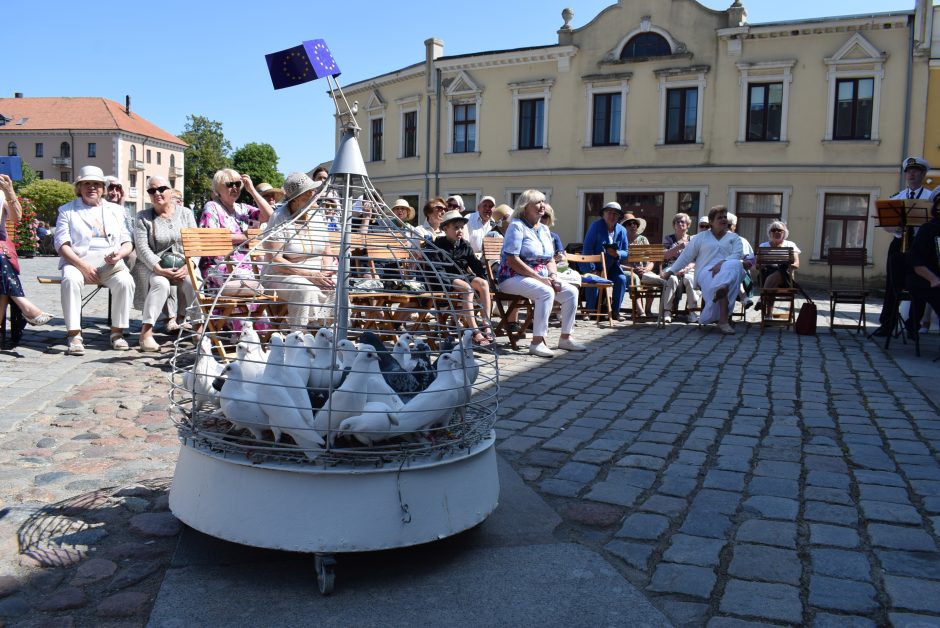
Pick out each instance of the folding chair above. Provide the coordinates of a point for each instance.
(504, 302)
(602, 287)
(770, 298)
(646, 292)
(850, 258)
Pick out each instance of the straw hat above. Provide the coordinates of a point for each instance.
(267, 187)
(630, 217)
(296, 184)
(403, 203)
(502, 212)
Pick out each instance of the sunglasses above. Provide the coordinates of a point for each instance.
(776, 230)
(114, 187)
(161, 190)
(439, 208)
(233, 184)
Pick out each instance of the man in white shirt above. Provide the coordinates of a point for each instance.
(480, 223)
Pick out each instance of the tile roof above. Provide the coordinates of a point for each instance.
(57, 113)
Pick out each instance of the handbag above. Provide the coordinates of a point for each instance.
(105, 271)
(172, 260)
(806, 319)
(9, 251)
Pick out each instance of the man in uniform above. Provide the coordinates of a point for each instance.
(915, 170)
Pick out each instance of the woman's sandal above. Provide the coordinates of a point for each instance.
(480, 339)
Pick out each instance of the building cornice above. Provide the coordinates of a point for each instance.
(816, 27)
(497, 59)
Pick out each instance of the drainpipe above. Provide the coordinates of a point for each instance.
(907, 96)
(437, 149)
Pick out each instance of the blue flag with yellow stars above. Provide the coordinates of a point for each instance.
(307, 62)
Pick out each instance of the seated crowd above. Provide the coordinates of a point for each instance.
(140, 259)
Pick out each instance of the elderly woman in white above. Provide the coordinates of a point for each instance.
(160, 261)
(716, 254)
(92, 240)
(300, 268)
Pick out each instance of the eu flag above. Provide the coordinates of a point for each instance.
(290, 67)
(323, 62)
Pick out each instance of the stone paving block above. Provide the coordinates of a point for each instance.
(641, 478)
(563, 488)
(824, 534)
(775, 469)
(830, 513)
(926, 488)
(644, 526)
(828, 479)
(614, 493)
(772, 507)
(870, 457)
(778, 533)
(725, 480)
(892, 513)
(593, 456)
(825, 620)
(883, 478)
(769, 564)
(678, 486)
(826, 463)
(690, 457)
(665, 505)
(733, 463)
(897, 537)
(641, 461)
(911, 620)
(913, 564)
(841, 564)
(779, 602)
(775, 487)
(578, 472)
(650, 449)
(875, 492)
(684, 579)
(922, 471)
(637, 555)
(725, 502)
(694, 550)
(914, 594)
(706, 523)
(842, 595)
(542, 458)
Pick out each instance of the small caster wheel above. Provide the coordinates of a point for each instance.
(326, 573)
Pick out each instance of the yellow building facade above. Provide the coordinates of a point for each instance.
(668, 106)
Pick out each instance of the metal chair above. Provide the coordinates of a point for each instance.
(848, 258)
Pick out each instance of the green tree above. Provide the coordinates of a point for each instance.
(208, 151)
(259, 161)
(47, 195)
(29, 175)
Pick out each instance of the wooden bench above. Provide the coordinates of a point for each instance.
(504, 302)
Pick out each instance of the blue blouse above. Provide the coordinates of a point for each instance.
(533, 245)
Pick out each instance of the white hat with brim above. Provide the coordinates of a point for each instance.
(915, 162)
(452, 216)
(403, 203)
(267, 188)
(296, 184)
(614, 205)
(641, 222)
(90, 173)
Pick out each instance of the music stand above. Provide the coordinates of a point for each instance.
(902, 213)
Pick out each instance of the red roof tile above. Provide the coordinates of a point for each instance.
(48, 114)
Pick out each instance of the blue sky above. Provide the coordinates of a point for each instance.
(179, 58)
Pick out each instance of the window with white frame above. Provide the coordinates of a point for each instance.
(376, 137)
(530, 103)
(680, 105)
(409, 133)
(755, 211)
(606, 112)
(844, 220)
(765, 100)
(464, 99)
(854, 79)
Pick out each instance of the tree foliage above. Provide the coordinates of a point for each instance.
(259, 161)
(47, 195)
(29, 175)
(208, 151)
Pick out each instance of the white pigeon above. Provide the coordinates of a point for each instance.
(239, 400)
(402, 352)
(364, 383)
(250, 350)
(285, 402)
(469, 361)
(346, 351)
(324, 373)
(203, 374)
(369, 427)
(297, 358)
(432, 405)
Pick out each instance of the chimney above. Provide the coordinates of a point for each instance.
(17, 94)
(127, 104)
(433, 48)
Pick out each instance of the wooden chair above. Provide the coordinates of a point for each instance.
(603, 290)
(200, 242)
(504, 302)
(771, 297)
(638, 292)
(848, 258)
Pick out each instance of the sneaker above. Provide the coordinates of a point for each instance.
(667, 319)
(42, 319)
(570, 345)
(76, 346)
(726, 329)
(118, 343)
(541, 350)
(693, 318)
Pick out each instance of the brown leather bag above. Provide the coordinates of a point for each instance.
(806, 319)
(9, 251)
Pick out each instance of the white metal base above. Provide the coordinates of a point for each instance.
(308, 509)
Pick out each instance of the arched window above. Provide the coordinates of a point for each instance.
(646, 45)
(172, 160)
(133, 153)
(65, 150)
(11, 149)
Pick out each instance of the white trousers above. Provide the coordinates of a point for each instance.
(305, 301)
(120, 284)
(672, 286)
(161, 292)
(730, 275)
(542, 297)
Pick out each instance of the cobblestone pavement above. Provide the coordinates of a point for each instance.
(764, 477)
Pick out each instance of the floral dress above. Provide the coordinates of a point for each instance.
(214, 216)
(9, 278)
